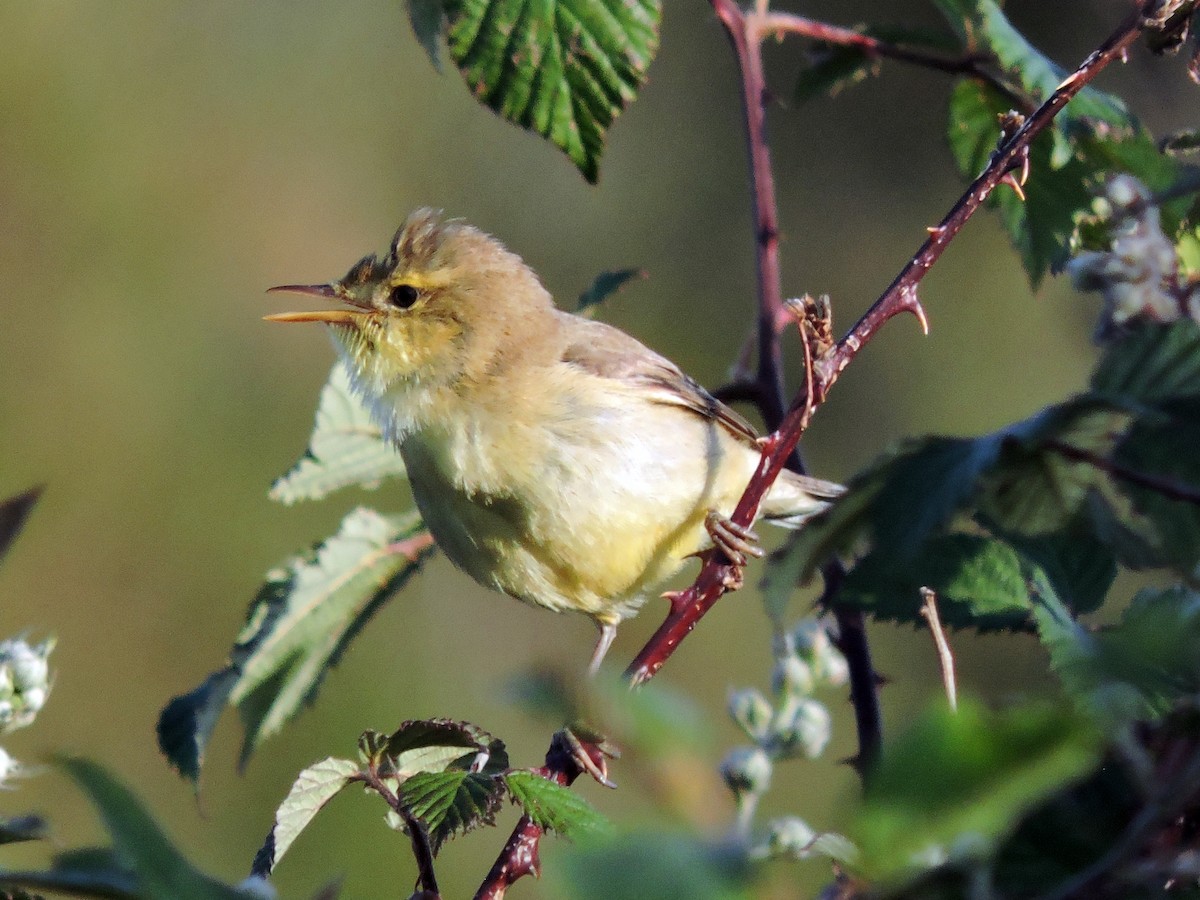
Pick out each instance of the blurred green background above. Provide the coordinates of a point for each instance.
(162, 163)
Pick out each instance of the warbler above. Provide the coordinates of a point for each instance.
(554, 458)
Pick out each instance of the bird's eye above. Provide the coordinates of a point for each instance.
(403, 296)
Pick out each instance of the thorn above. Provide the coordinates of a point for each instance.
(913, 305)
(1012, 181)
(675, 598)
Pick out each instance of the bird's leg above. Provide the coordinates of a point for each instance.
(608, 631)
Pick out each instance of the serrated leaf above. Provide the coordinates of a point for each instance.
(1134, 670)
(980, 583)
(898, 501)
(162, 872)
(451, 802)
(1040, 226)
(297, 628)
(1150, 365)
(13, 513)
(434, 745)
(1077, 563)
(1163, 462)
(605, 285)
(346, 448)
(312, 789)
(1033, 488)
(554, 807)
(428, 18)
(562, 68)
(955, 783)
(19, 829)
(985, 28)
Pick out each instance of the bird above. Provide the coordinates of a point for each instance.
(553, 457)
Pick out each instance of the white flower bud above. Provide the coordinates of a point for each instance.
(750, 709)
(746, 770)
(808, 731)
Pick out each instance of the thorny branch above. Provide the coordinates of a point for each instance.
(746, 30)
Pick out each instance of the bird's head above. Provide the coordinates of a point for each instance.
(446, 303)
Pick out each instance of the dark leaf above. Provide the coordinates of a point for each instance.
(980, 583)
(428, 19)
(562, 68)
(434, 745)
(605, 285)
(13, 513)
(451, 802)
(23, 828)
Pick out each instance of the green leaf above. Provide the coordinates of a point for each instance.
(435, 745)
(162, 872)
(955, 783)
(346, 448)
(562, 68)
(1034, 488)
(23, 828)
(1164, 483)
(898, 501)
(1080, 567)
(92, 872)
(312, 789)
(554, 807)
(1150, 365)
(13, 513)
(605, 285)
(187, 722)
(299, 625)
(428, 18)
(1137, 669)
(451, 802)
(1040, 227)
(980, 583)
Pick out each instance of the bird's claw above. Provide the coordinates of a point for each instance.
(737, 542)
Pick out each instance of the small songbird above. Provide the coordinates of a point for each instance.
(554, 458)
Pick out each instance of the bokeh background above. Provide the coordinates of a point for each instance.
(162, 163)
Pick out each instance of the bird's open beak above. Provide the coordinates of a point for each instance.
(328, 316)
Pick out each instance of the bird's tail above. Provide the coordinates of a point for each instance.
(794, 499)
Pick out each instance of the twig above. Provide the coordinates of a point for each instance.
(901, 296)
(417, 833)
(929, 611)
(1169, 488)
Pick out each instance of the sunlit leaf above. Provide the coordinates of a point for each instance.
(312, 789)
(552, 806)
(434, 745)
(162, 872)
(952, 784)
(451, 802)
(299, 625)
(562, 68)
(346, 448)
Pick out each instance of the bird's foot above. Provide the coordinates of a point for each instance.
(736, 541)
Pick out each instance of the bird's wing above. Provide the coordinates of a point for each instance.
(611, 353)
